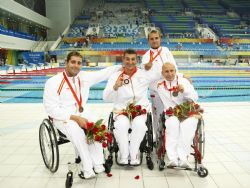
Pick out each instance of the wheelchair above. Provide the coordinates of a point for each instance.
(198, 147)
(146, 145)
(50, 138)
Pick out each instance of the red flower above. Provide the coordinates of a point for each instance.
(169, 112)
(97, 138)
(138, 107)
(190, 113)
(144, 111)
(103, 127)
(134, 114)
(109, 175)
(95, 130)
(196, 106)
(90, 125)
(124, 113)
(104, 144)
(137, 177)
(110, 138)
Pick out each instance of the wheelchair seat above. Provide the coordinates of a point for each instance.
(146, 145)
(198, 146)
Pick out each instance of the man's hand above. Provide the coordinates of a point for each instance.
(180, 88)
(148, 65)
(81, 121)
(118, 83)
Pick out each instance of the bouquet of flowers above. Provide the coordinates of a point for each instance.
(185, 110)
(133, 110)
(97, 132)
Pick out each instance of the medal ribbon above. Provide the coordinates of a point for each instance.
(152, 54)
(170, 89)
(132, 74)
(79, 102)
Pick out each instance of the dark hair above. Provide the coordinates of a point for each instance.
(155, 31)
(129, 51)
(73, 53)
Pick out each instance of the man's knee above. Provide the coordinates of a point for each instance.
(139, 122)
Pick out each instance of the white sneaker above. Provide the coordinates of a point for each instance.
(172, 163)
(99, 169)
(123, 161)
(135, 162)
(88, 175)
(185, 164)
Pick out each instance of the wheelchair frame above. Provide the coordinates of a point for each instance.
(145, 146)
(198, 147)
(54, 137)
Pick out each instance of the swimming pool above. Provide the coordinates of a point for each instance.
(213, 84)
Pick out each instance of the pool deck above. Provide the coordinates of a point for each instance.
(227, 152)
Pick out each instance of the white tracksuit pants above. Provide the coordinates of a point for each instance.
(91, 154)
(179, 137)
(139, 128)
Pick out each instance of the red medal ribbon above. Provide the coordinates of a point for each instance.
(79, 102)
(170, 89)
(153, 58)
(123, 72)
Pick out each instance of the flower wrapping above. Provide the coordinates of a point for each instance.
(97, 132)
(185, 110)
(133, 111)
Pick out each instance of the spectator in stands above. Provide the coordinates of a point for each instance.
(65, 97)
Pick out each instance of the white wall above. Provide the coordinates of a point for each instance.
(59, 12)
(62, 13)
(76, 7)
(15, 43)
(22, 11)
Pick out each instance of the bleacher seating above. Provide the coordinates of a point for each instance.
(175, 18)
(224, 26)
(205, 7)
(174, 25)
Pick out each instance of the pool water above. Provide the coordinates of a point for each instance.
(215, 85)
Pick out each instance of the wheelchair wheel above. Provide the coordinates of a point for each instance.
(202, 172)
(48, 145)
(69, 180)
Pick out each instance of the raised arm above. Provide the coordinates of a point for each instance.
(110, 93)
(99, 76)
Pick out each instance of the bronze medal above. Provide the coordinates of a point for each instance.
(126, 81)
(175, 93)
(81, 109)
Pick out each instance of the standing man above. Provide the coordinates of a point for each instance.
(65, 97)
(152, 62)
(123, 88)
(157, 55)
(174, 90)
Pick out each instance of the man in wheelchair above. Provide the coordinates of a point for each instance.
(127, 89)
(173, 91)
(65, 98)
